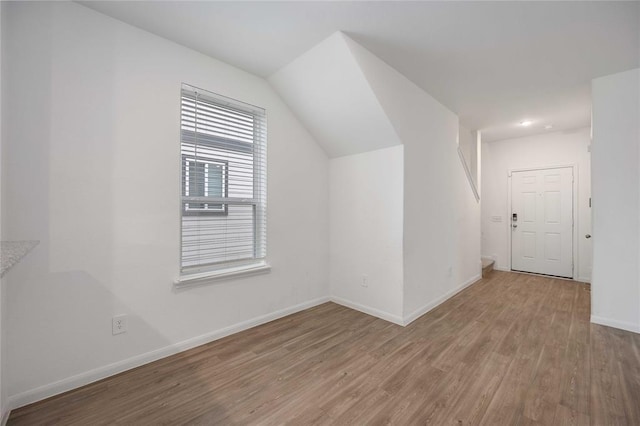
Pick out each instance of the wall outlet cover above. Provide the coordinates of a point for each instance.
(365, 281)
(119, 324)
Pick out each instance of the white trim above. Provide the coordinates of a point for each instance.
(576, 224)
(5, 417)
(408, 319)
(368, 310)
(100, 373)
(622, 325)
(194, 280)
(535, 274)
(468, 173)
(584, 279)
(529, 169)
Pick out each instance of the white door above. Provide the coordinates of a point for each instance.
(542, 221)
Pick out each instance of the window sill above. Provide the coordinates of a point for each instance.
(203, 278)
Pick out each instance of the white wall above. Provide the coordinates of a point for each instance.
(615, 290)
(91, 168)
(441, 216)
(366, 198)
(549, 149)
(2, 283)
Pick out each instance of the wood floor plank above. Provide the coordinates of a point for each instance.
(606, 395)
(510, 349)
(574, 390)
(506, 406)
(567, 417)
(472, 402)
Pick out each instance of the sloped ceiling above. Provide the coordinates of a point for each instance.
(493, 63)
(394, 91)
(330, 94)
(353, 102)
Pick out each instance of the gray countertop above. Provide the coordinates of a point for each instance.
(12, 252)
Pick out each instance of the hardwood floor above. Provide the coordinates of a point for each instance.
(511, 349)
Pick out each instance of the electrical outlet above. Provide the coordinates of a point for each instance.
(365, 281)
(119, 324)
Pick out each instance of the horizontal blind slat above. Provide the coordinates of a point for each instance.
(223, 178)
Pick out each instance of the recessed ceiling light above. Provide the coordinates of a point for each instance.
(548, 126)
(526, 123)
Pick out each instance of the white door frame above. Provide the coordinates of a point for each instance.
(574, 192)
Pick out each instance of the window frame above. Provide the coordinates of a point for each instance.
(193, 275)
(205, 211)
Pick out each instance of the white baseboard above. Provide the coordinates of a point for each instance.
(622, 325)
(408, 319)
(368, 310)
(503, 269)
(100, 373)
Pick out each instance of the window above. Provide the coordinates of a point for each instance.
(223, 175)
(206, 179)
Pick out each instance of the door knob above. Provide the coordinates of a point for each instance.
(587, 236)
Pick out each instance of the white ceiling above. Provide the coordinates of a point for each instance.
(493, 63)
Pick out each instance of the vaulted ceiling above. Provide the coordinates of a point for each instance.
(492, 63)
(329, 91)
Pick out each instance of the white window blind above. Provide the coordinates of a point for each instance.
(223, 157)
